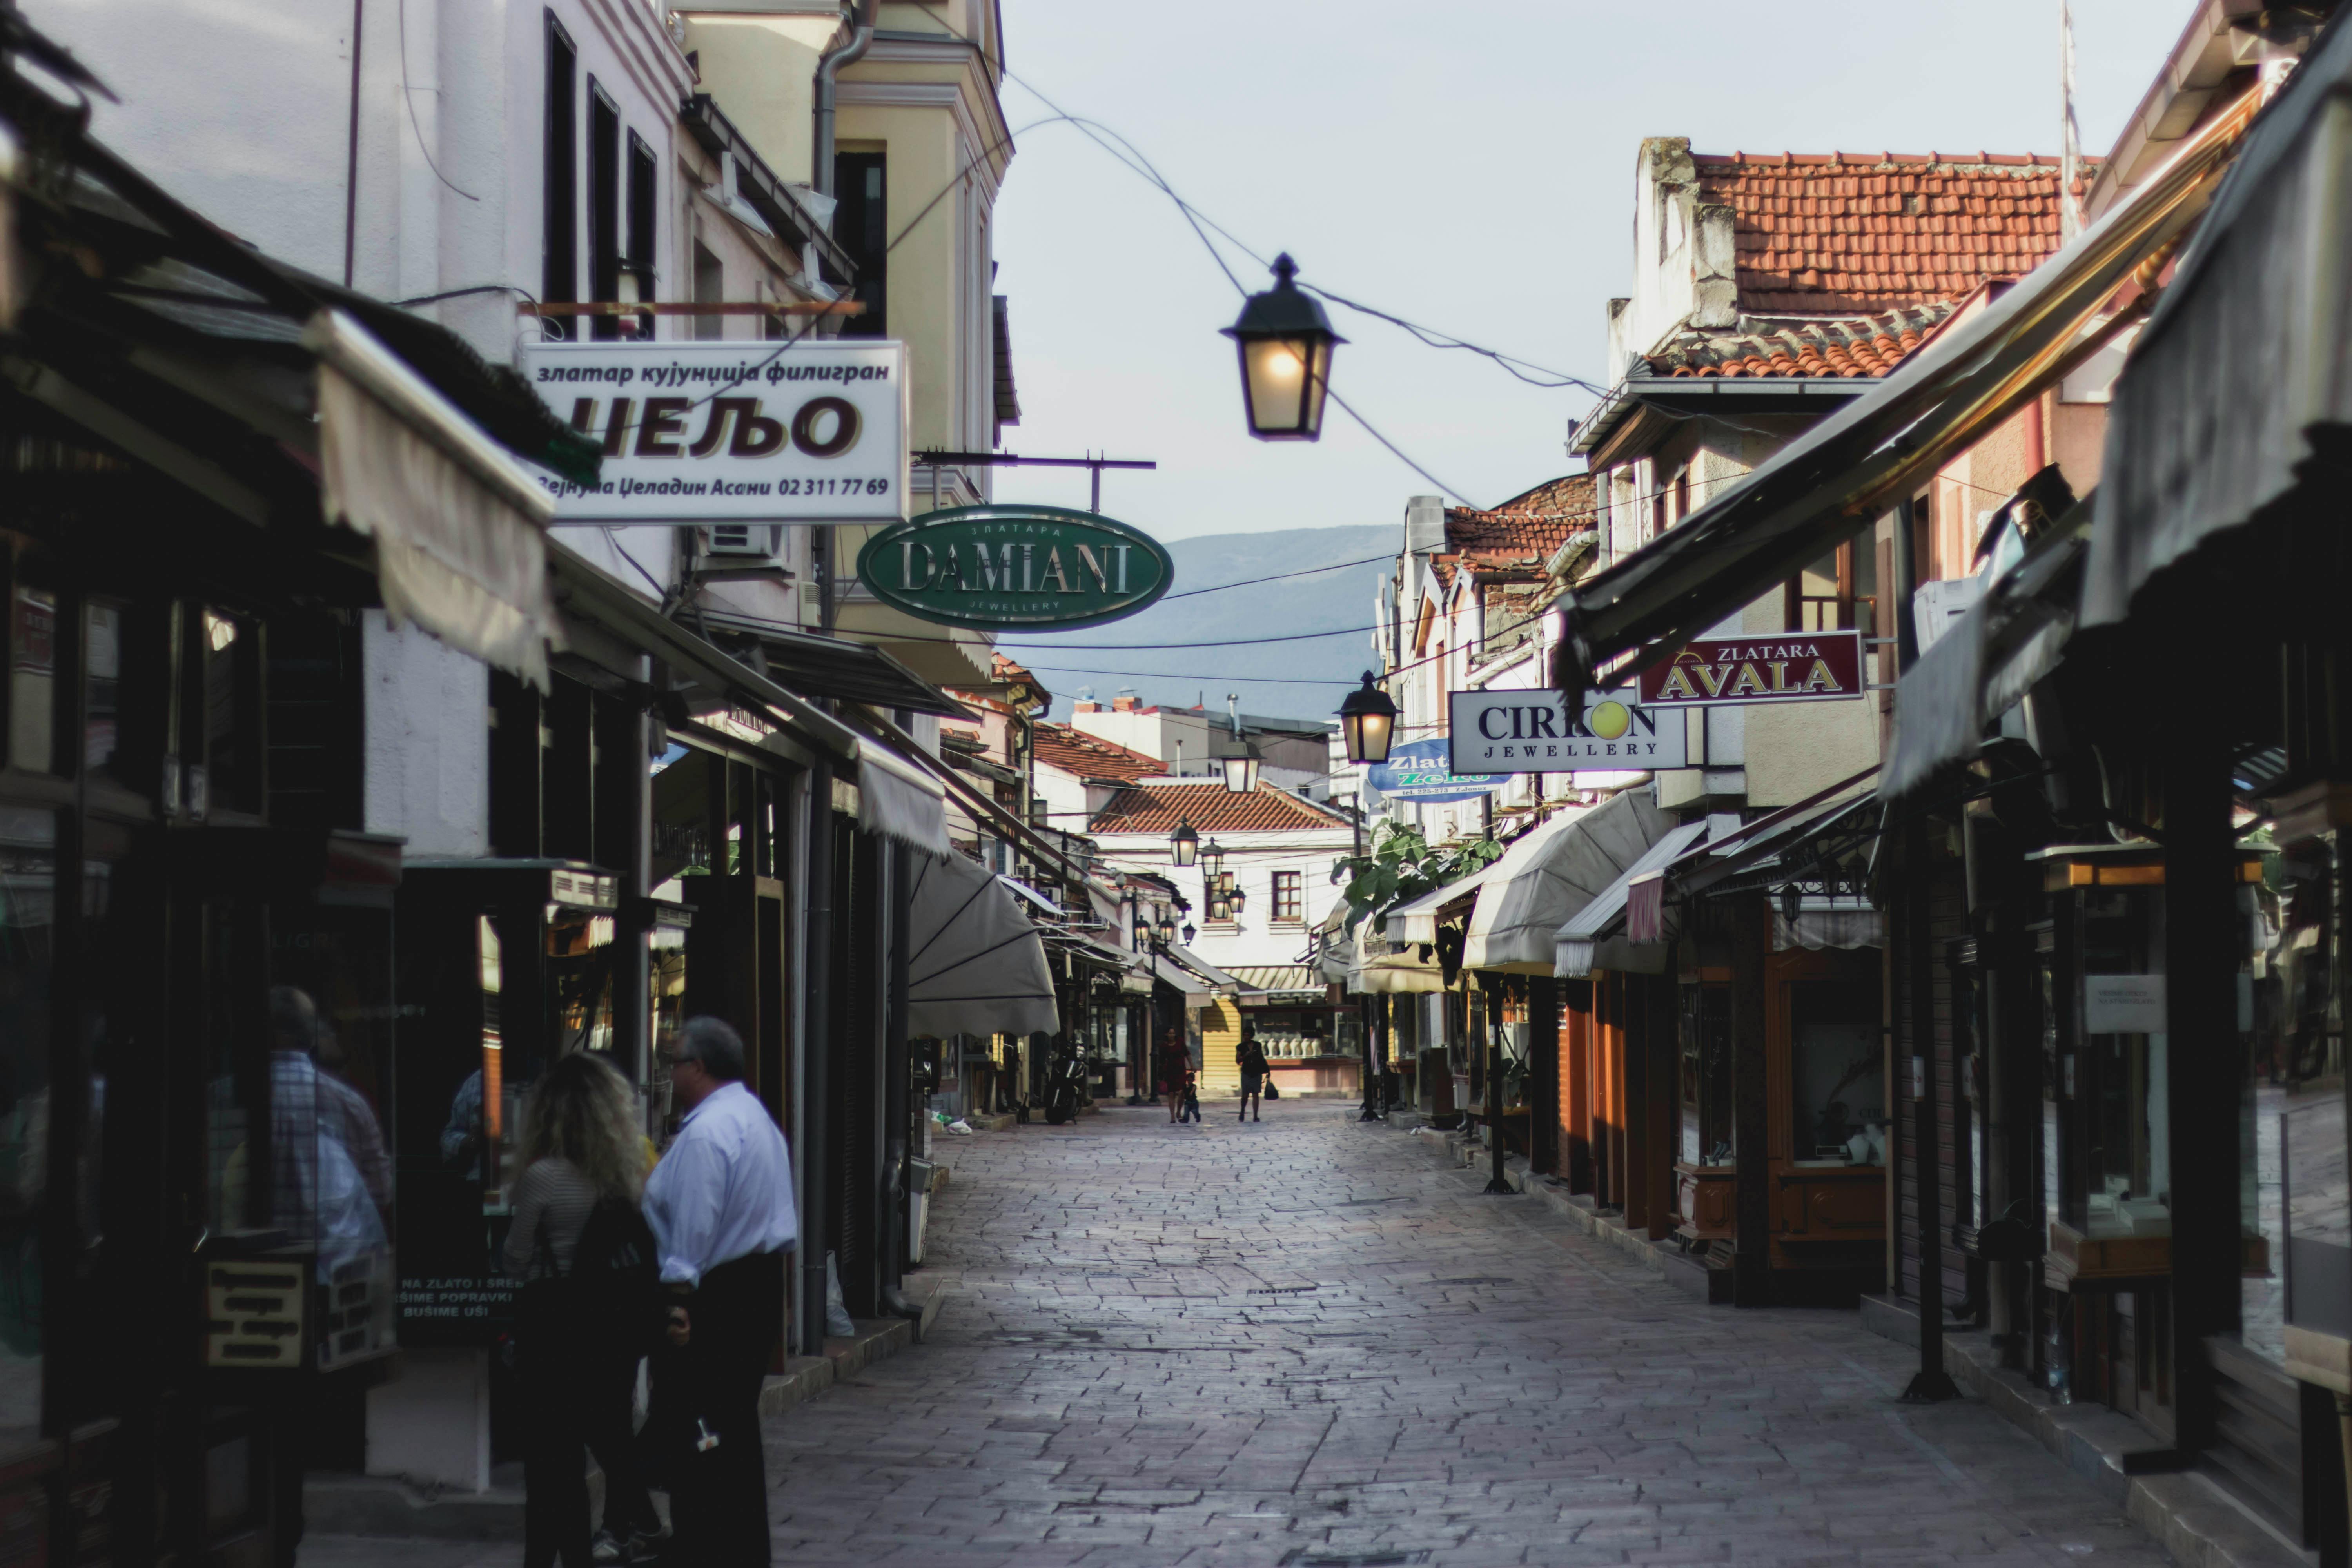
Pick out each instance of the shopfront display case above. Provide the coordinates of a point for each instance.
(506, 966)
(1825, 1075)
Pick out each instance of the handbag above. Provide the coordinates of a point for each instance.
(1273, 1090)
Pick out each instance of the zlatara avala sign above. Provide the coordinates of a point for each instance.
(812, 431)
(1532, 733)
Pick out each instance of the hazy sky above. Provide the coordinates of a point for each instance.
(1468, 167)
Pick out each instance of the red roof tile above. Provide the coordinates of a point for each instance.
(1801, 346)
(1849, 232)
(1074, 750)
(1526, 527)
(1210, 808)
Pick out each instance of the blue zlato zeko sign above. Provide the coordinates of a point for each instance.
(1035, 567)
(1532, 733)
(1417, 769)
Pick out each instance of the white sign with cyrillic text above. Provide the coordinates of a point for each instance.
(1531, 732)
(2123, 1004)
(810, 431)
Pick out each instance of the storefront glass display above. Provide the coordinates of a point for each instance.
(102, 670)
(27, 947)
(1704, 1087)
(1837, 1081)
(2122, 1075)
(2297, 1090)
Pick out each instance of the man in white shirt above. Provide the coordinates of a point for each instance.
(721, 1205)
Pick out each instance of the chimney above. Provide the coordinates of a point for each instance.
(1125, 701)
(1425, 525)
(1085, 705)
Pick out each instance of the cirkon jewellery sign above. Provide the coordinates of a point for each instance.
(1014, 566)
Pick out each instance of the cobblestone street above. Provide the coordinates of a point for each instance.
(1308, 1341)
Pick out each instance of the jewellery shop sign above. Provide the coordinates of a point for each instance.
(1533, 733)
(1039, 567)
(1776, 666)
(811, 431)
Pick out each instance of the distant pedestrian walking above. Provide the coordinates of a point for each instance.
(1256, 1069)
(587, 1316)
(722, 1207)
(1175, 1068)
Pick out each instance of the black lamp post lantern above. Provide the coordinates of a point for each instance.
(1212, 861)
(1368, 723)
(1286, 343)
(1184, 843)
(1241, 770)
(1166, 929)
(1236, 898)
(1220, 912)
(1191, 931)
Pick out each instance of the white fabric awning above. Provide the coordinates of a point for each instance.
(899, 801)
(975, 963)
(1549, 875)
(1032, 894)
(1415, 919)
(459, 526)
(1387, 968)
(1586, 943)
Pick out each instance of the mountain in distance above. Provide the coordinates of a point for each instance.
(1301, 679)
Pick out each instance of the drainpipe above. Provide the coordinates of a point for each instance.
(861, 39)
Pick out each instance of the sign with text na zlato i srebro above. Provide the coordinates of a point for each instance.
(1532, 733)
(1772, 666)
(1040, 567)
(806, 431)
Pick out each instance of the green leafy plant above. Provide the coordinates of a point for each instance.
(1402, 864)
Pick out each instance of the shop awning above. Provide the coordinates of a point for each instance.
(1594, 939)
(1281, 979)
(835, 667)
(459, 526)
(1547, 876)
(1216, 979)
(1383, 967)
(1834, 481)
(1838, 819)
(2245, 367)
(976, 965)
(899, 800)
(1415, 919)
(2009, 640)
(1200, 982)
(1024, 890)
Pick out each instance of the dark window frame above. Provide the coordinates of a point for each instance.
(560, 193)
(604, 206)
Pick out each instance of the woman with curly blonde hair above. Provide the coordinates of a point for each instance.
(576, 1220)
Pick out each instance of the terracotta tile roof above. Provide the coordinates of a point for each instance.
(1210, 808)
(1072, 751)
(1801, 346)
(1848, 232)
(1526, 527)
(1005, 669)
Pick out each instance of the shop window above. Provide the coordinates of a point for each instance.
(1836, 1076)
(222, 741)
(32, 678)
(314, 736)
(861, 222)
(1704, 1088)
(643, 192)
(710, 289)
(2122, 1076)
(2291, 1191)
(101, 674)
(1288, 903)
(682, 834)
(559, 183)
(27, 951)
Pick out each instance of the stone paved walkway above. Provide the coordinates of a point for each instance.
(1308, 1342)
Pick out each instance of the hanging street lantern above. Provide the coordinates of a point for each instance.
(1241, 771)
(1235, 897)
(1168, 931)
(1212, 860)
(1286, 342)
(1184, 843)
(1191, 931)
(1368, 721)
(1220, 912)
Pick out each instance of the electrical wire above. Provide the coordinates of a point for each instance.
(408, 97)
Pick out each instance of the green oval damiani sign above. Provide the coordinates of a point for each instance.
(1014, 566)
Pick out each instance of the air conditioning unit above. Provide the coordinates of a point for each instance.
(752, 544)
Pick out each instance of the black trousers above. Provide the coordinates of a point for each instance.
(718, 1493)
(576, 1395)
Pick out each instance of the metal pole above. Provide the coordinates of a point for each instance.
(1496, 1184)
(815, 1060)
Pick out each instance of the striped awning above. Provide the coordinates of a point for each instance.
(1279, 977)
